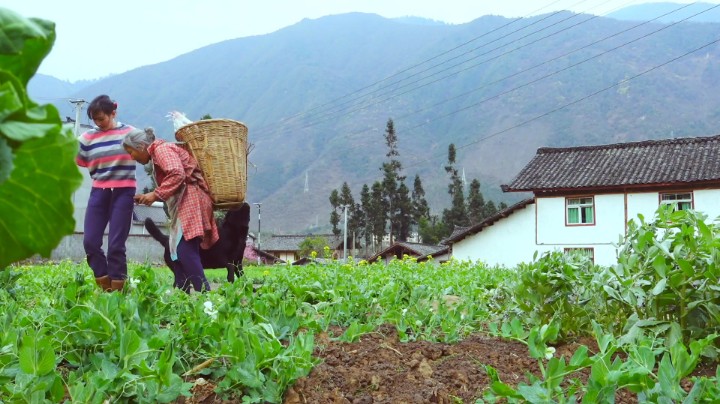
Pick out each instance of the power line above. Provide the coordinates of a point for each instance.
(333, 101)
(330, 112)
(543, 63)
(573, 102)
(329, 115)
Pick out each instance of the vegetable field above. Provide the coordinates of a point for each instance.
(558, 329)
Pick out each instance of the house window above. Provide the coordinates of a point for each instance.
(580, 210)
(586, 251)
(682, 201)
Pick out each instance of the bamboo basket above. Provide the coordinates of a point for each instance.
(220, 147)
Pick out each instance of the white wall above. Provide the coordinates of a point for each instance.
(609, 226)
(708, 201)
(541, 227)
(507, 242)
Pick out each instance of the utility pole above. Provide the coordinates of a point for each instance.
(78, 107)
(345, 207)
(258, 204)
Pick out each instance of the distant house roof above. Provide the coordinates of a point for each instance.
(457, 230)
(477, 228)
(157, 214)
(401, 248)
(308, 260)
(282, 242)
(621, 165)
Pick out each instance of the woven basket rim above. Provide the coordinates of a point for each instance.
(197, 126)
(214, 120)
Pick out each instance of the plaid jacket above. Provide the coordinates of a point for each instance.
(174, 167)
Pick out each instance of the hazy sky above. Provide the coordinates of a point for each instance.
(98, 38)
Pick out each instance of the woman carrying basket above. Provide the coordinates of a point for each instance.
(181, 185)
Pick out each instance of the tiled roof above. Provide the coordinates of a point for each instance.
(457, 230)
(652, 162)
(282, 242)
(477, 228)
(415, 249)
(157, 214)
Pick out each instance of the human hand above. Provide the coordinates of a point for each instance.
(145, 199)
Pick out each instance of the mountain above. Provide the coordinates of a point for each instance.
(316, 97)
(650, 11)
(47, 89)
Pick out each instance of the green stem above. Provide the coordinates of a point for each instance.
(100, 314)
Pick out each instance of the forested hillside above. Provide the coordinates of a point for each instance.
(317, 95)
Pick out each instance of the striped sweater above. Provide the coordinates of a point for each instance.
(110, 166)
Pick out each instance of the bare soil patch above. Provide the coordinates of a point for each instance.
(380, 369)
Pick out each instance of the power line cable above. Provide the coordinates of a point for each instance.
(449, 60)
(574, 102)
(333, 101)
(569, 67)
(329, 115)
(549, 74)
(417, 163)
(365, 106)
(333, 114)
(538, 65)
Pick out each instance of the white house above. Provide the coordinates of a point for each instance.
(584, 197)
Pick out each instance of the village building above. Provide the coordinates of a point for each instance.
(286, 247)
(421, 252)
(583, 197)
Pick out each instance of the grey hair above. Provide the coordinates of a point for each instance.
(139, 139)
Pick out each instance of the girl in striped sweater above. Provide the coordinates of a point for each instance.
(111, 198)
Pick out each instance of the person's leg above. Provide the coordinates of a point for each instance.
(96, 219)
(120, 221)
(189, 256)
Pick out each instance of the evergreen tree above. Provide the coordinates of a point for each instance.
(404, 213)
(368, 212)
(334, 215)
(476, 203)
(502, 206)
(378, 206)
(490, 209)
(391, 181)
(420, 208)
(343, 200)
(457, 214)
(431, 230)
(356, 225)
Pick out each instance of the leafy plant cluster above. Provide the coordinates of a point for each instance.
(666, 281)
(64, 340)
(37, 154)
(658, 305)
(254, 338)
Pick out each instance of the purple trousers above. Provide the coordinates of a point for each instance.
(188, 268)
(112, 206)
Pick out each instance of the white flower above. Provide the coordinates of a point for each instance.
(404, 311)
(549, 351)
(210, 310)
(133, 282)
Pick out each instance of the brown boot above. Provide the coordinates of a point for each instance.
(104, 283)
(117, 284)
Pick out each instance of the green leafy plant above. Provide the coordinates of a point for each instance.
(37, 166)
(557, 287)
(667, 276)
